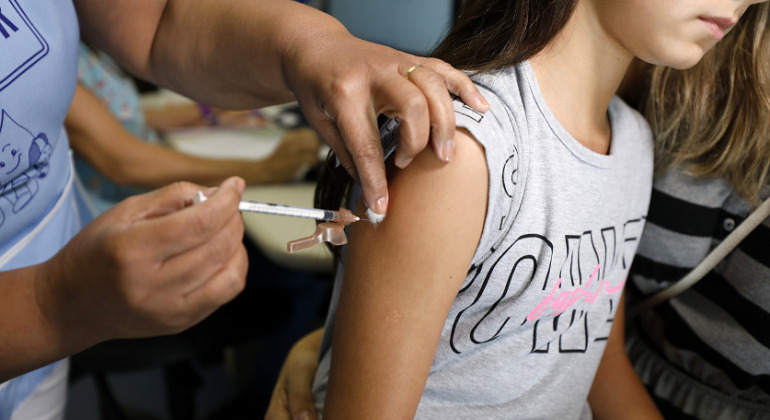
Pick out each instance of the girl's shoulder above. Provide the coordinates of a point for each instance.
(503, 132)
(502, 127)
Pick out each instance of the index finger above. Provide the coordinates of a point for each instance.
(356, 137)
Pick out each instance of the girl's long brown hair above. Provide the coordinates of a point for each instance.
(488, 35)
(715, 117)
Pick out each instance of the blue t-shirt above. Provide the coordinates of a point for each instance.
(38, 211)
(37, 81)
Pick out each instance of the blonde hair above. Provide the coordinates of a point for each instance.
(715, 117)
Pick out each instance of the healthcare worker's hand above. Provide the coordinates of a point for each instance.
(292, 398)
(154, 264)
(343, 83)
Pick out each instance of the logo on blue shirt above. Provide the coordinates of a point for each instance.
(21, 43)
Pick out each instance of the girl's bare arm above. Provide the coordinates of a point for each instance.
(400, 280)
(617, 392)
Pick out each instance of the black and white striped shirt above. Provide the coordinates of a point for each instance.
(717, 332)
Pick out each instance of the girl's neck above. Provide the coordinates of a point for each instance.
(578, 73)
(633, 86)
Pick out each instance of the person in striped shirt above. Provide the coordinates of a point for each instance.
(705, 354)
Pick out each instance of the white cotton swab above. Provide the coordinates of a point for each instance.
(374, 218)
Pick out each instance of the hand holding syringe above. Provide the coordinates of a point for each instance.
(333, 232)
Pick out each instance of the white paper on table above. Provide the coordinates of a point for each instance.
(226, 143)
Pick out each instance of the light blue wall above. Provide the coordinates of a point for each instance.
(409, 25)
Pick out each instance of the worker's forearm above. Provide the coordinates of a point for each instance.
(29, 339)
(234, 54)
(231, 54)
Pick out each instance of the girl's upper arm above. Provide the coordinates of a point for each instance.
(400, 280)
(617, 391)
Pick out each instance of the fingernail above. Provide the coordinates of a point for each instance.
(484, 103)
(380, 206)
(240, 184)
(447, 150)
(403, 162)
(304, 415)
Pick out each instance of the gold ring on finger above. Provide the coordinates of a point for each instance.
(411, 69)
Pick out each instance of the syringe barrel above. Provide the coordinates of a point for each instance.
(283, 210)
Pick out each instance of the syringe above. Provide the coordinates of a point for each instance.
(342, 216)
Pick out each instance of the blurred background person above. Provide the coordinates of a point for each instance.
(118, 151)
